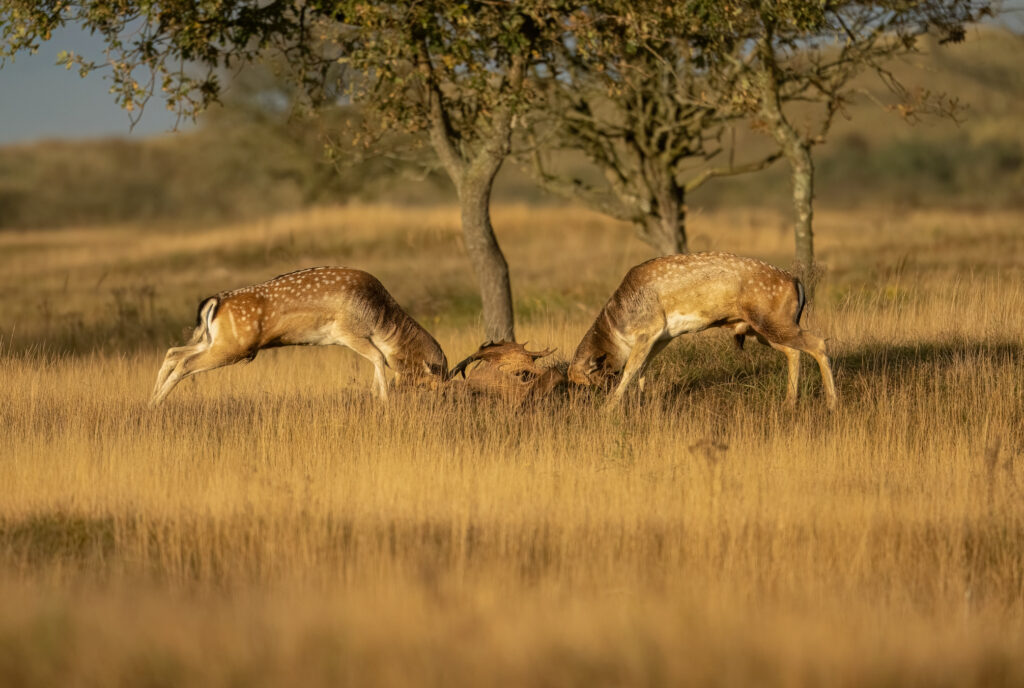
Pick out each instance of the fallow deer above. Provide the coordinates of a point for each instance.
(315, 306)
(679, 294)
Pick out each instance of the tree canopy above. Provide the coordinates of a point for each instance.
(643, 88)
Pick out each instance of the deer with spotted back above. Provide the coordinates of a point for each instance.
(311, 307)
(669, 296)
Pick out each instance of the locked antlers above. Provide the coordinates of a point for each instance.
(510, 370)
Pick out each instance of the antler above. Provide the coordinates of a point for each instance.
(536, 354)
(460, 367)
(490, 351)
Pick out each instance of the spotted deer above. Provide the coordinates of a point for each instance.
(674, 295)
(315, 306)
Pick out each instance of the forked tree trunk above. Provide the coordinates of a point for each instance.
(485, 254)
(665, 228)
(666, 234)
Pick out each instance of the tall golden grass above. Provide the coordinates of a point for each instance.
(272, 523)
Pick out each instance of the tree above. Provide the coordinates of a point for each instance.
(460, 73)
(455, 71)
(634, 102)
(792, 53)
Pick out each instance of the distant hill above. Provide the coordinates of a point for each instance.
(233, 167)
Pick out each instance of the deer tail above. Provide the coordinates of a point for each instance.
(801, 299)
(204, 316)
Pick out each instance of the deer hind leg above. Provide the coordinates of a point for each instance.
(368, 350)
(200, 340)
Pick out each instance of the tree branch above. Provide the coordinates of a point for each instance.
(442, 137)
(706, 175)
(499, 140)
(577, 190)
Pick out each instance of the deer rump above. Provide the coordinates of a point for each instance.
(508, 370)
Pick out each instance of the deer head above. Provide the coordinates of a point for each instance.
(510, 370)
(596, 362)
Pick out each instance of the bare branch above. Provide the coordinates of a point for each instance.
(731, 170)
(576, 189)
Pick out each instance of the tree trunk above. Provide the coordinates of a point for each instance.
(485, 254)
(798, 152)
(474, 179)
(802, 171)
(801, 168)
(665, 228)
(666, 235)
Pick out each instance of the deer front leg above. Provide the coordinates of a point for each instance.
(658, 347)
(815, 346)
(793, 361)
(368, 350)
(170, 374)
(200, 360)
(638, 358)
(170, 361)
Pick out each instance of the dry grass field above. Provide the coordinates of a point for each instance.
(273, 524)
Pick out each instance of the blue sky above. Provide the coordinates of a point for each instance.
(39, 99)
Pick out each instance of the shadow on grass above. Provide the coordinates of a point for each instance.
(80, 339)
(931, 355)
(50, 536)
(701, 369)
